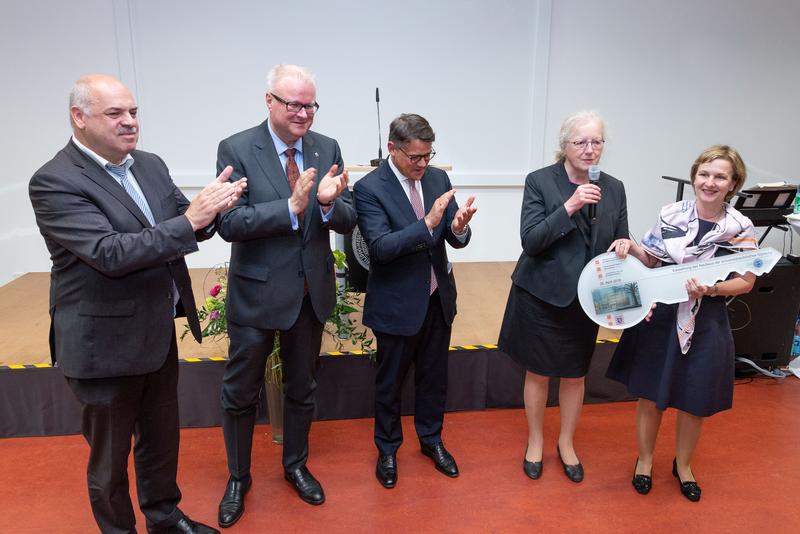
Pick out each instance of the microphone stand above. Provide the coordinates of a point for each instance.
(376, 162)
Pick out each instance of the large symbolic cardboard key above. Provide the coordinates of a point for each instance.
(618, 294)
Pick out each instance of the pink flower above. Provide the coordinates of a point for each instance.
(215, 290)
(214, 315)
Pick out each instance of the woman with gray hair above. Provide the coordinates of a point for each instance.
(544, 329)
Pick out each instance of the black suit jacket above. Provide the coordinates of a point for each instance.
(554, 244)
(111, 282)
(269, 260)
(402, 250)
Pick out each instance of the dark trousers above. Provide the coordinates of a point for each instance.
(428, 350)
(244, 379)
(115, 409)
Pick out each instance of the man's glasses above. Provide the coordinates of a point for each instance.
(583, 143)
(295, 107)
(417, 157)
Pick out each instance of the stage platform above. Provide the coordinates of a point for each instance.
(35, 400)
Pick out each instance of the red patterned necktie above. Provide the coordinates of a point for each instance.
(416, 204)
(292, 172)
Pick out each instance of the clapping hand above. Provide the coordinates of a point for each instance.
(299, 199)
(331, 186)
(434, 216)
(463, 216)
(217, 196)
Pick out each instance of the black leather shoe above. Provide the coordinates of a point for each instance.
(308, 487)
(386, 470)
(231, 507)
(442, 459)
(641, 483)
(187, 526)
(689, 489)
(573, 472)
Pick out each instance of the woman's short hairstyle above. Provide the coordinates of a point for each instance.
(730, 155)
(570, 124)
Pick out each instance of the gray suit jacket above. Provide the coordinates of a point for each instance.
(111, 283)
(269, 260)
(554, 244)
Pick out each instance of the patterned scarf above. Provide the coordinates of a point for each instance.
(672, 238)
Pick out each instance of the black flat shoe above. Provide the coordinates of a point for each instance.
(231, 507)
(689, 489)
(308, 488)
(573, 472)
(641, 483)
(532, 469)
(442, 459)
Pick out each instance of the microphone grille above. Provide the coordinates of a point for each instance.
(594, 173)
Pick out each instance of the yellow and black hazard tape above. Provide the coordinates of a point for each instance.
(333, 353)
(19, 367)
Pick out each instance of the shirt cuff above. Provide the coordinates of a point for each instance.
(462, 237)
(293, 217)
(327, 216)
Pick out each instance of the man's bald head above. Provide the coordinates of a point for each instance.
(104, 116)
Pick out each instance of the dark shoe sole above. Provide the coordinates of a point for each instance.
(436, 465)
(231, 523)
(384, 483)
(303, 497)
(451, 475)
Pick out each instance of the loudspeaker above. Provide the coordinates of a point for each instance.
(763, 320)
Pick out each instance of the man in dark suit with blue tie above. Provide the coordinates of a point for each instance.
(406, 212)
(117, 229)
(281, 274)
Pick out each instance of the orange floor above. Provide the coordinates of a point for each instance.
(747, 464)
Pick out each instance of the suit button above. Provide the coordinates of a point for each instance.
(300, 274)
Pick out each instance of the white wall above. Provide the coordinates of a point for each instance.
(673, 78)
(494, 78)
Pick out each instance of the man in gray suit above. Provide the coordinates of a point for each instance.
(281, 274)
(117, 229)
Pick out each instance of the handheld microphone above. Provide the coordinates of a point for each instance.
(376, 162)
(594, 178)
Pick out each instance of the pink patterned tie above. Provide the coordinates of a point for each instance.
(416, 204)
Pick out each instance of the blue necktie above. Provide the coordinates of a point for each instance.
(121, 172)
